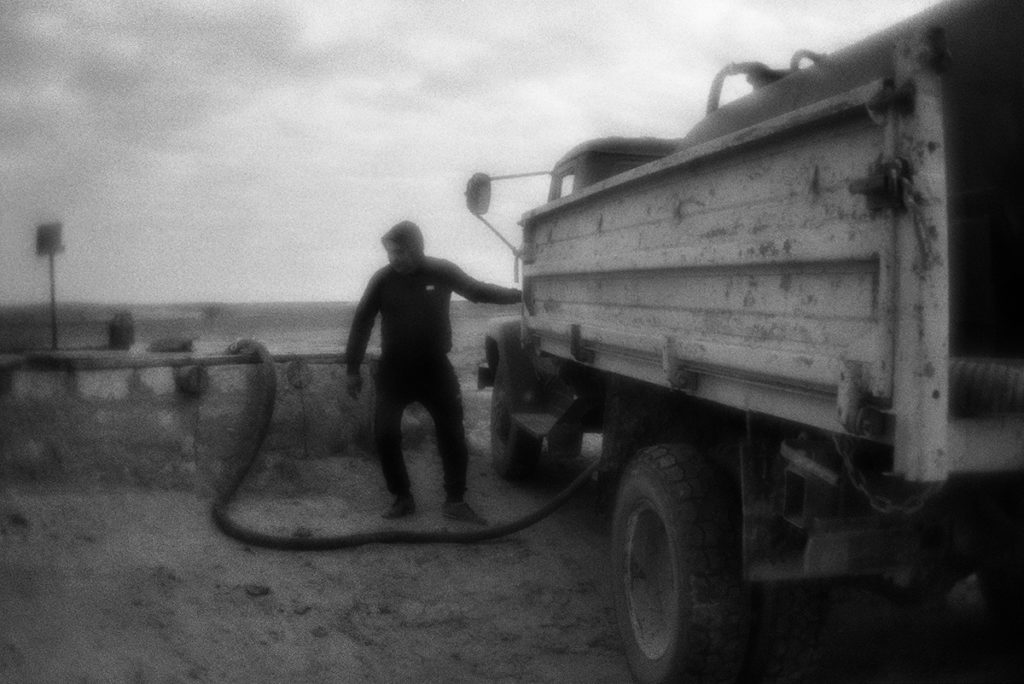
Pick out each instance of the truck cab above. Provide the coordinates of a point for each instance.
(596, 160)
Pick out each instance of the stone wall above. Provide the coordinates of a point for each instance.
(137, 426)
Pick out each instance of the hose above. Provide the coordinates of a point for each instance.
(261, 405)
(984, 387)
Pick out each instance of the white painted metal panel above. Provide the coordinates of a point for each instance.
(754, 260)
(747, 271)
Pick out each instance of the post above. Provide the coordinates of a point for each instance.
(921, 370)
(48, 243)
(53, 304)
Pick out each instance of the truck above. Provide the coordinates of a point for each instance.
(799, 331)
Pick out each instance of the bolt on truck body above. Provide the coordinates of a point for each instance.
(800, 331)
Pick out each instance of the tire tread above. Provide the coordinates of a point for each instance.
(719, 621)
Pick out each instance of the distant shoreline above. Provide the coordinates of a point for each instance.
(287, 326)
(72, 306)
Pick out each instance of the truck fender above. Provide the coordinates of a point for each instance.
(504, 345)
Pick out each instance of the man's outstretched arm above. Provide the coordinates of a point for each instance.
(477, 291)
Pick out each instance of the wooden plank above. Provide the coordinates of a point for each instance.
(804, 335)
(812, 369)
(806, 403)
(921, 376)
(814, 169)
(757, 258)
(849, 105)
(859, 246)
(841, 291)
(722, 215)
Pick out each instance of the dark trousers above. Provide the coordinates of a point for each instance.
(433, 384)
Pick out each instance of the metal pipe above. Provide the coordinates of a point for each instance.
(986, 387)
(515, 250)
(53, 304)
(521, 175)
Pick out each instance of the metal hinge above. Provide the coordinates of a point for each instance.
(884, 186)
(576, 348)
(853, 410)
(528, 252)
(678, 375)
(892, 99)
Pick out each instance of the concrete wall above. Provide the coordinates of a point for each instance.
(137, 426)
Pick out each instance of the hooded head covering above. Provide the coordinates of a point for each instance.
(405, 234)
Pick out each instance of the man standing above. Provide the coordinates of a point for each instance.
(412, 295)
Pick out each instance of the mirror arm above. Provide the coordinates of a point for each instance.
(516, 252)
(521, 175)
(478, 199)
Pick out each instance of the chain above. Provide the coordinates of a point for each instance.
(880, 502)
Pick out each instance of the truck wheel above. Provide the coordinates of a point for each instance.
(787, 621)
(679, 597)
(514, 452)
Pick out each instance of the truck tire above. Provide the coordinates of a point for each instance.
(787, 622)
(680, 601)
(514, 452)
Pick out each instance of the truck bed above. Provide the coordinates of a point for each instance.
(800, 266)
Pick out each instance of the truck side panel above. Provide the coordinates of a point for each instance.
(801, 267)
(749, 260)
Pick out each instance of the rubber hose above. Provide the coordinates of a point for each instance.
(248, 450)
(981, 387)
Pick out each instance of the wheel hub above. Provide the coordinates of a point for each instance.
(650, 582)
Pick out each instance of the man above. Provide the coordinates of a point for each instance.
(412, 295)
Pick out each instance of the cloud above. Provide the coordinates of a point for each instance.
(97, 99)
(228, 149)
(127, 74)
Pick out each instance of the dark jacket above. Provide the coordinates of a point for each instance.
(414, 311)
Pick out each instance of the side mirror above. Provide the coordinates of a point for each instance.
(478, 194)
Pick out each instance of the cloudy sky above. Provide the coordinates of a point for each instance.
(220, 150)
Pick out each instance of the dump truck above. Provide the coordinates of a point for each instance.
(799, 331)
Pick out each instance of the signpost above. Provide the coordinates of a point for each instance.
(48, 243)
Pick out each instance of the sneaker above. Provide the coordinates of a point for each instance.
(401, 507)
(460, 511)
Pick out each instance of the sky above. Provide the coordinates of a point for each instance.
(229, 151)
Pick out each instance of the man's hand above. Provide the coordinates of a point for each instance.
(354, 385)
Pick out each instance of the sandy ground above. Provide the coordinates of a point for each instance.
(128, 585)
(136, 586)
